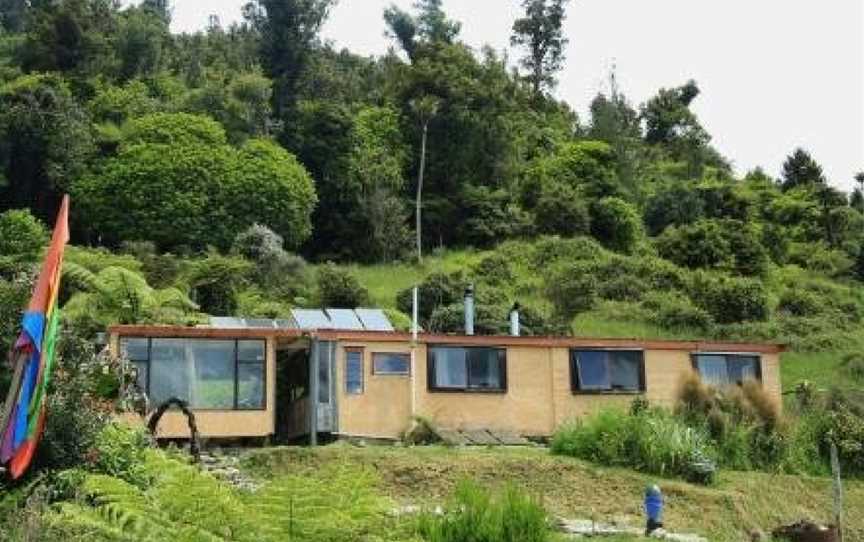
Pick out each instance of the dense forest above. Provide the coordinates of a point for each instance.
(206, 169)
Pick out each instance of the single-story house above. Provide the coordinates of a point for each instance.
(334, 373)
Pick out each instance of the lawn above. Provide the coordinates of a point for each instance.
(728, 511)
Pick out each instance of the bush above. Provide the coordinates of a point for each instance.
(436, 290)
(338, 288)
(730, 299)
(561, 211)
(119, 452)
(22, 236)
(275, 267)
(649, 440)
(674, 311)
(571, 289)
(715, 244)
(616, 224)
(495, 270)
(551, 250)
(475, 515)
(800, 302)
(853, 365)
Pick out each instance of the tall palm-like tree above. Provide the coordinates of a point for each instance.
(425, 108)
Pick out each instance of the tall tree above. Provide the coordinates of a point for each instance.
(800, 169)
(289, 31)
(540, 32)
(430, 25)
(425, 108)
(162, 8)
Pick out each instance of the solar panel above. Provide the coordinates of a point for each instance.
(344, 319)
(227, 322)
(311, 319)
(374, 320)
(260, 323)
(286, 323)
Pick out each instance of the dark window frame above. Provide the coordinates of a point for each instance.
(575, 384)
(430, 371)
(405, 355)
(694, 360)
(237, 362)
(362, 351)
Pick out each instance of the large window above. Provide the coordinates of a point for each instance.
(391, 364)
(208, 374)
(607, 371)
(354, 372)
(467, 369)
(727, 369)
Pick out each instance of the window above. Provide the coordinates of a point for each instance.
(391, 364)
(605, 371)
(354, 372)
(208, 374)
(467, 369)
(727, 369)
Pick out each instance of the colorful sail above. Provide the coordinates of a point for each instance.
(22, 420)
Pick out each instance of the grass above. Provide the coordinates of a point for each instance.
(725, 512)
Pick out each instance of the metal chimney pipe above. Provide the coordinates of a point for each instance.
(515, 327)
(469, 310)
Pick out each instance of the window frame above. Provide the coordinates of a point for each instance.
(406, 355)
(575, 378)
(430, 370)
(362, 351)
(694, 360)
(149, 363)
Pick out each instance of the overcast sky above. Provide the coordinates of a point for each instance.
(774, 74)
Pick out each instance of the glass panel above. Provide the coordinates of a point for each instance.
(135, 349)
(450, 368)
(713, 369)
(250, 351)
(250, 386)
(391, 364)
(171, 371)
(214, 373)
(140, 368)
(354, 372)
(626, 370)
(742, 368)
(485, 370)
(324, 351)
(593, 370)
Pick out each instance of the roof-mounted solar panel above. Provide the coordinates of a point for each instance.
(374, 320)
(286, 323)
(311, 319)
(260, 323)
(227, 322)
(344, 319)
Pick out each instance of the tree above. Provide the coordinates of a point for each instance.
(540, 32)
(45, 142)
(616, 224)
(176, 181)
(162, 8)
(425, 108)
(22, 237)
(800, 169)
(429, 26)
(288, 30)
(142, 39)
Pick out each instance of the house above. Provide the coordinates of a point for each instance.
(347, 373)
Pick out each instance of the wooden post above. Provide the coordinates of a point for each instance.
(838, 491)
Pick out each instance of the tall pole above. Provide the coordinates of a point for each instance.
(838, 490)
(420, 192)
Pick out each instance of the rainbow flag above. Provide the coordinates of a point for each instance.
(22, 420)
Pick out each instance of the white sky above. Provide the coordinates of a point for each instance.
(774, 74)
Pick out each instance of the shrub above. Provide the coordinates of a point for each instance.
(800, 302)
(495, 270)
(436, 290)
(338, 288)
(616, 224)
(22, 236)
(649, 440)
(674, 311)
(853, 365)
(119, 451)
(715, 244)
(275, 267)
(216, 280)
(475, 515)
(730, 299)
(571, 289)
(488, 319)
(551, 250)
(561, 211)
